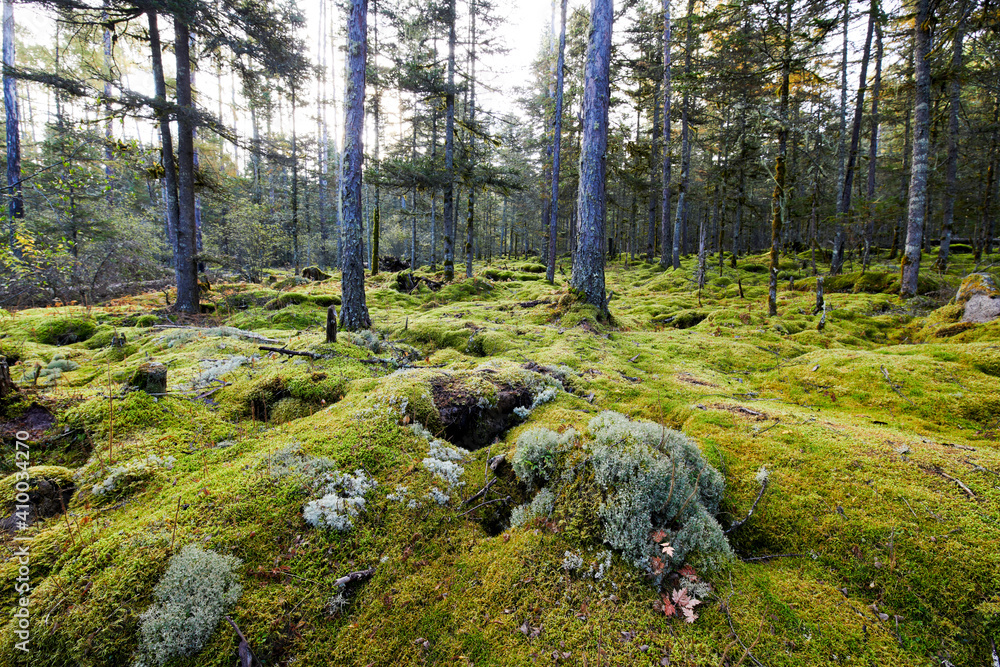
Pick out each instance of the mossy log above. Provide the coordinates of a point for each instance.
(150, 377)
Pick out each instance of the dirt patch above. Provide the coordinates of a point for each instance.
(469, 419)
(36, 421)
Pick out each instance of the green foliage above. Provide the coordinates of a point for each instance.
(193, 595)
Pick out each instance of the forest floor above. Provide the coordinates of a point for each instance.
(879, 435)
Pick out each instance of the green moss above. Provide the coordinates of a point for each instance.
(65, 331)
(61, 477)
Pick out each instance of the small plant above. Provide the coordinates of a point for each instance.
(535, 457)
(342, 500)
(193, 595)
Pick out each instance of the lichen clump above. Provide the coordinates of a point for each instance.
(659, 497)
(196, 591)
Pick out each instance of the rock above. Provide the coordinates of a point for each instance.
(391, 264)
(150, 377)
(976, 284)
(981, 298)
(314, 273)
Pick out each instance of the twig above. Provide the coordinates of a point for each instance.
(760, 494)
(488, 502)
(911, 509)
(294, 353)
(732, 628)
(177, 515)
(979, 468)
(960, 483)
(895, 387)
(756, 558)
(765, 430)
(354, 576)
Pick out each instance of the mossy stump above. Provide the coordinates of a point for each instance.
(7, 386)
(150, 377)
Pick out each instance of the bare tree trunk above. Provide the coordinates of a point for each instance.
(296, 254)
(354, 309)
(873, 142)
(187, 254)
(681, 216)
(15, 204)
(844, 196)
(377, 114)
(654, 158)
(921, 140)
(778, 202)
(588, 269)
(842, 134)
(665, 249)
(470, 218)
(550, 273)
(166, 140)
(324, 140)
(951, 172)
(449, 152)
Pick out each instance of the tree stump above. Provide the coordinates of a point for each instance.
(7, 386)
(331, 324)
(150, 377)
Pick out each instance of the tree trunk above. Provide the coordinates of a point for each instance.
(15, 203)
(921, 140)
(354, 310)
(842, 134)
(844, 196)
(550, 273)
(296, 254)
(654, 156)
(449, 152)
(681, 216)
(588, 269)
(951, 172)
(873, 142)
(665, 249)
(166, 140)
(778, 202)
(470, 218)
(187, 254)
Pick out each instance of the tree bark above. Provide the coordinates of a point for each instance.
(951, 172)
(166, 140)
(15, 204)
(921, 143)
(665, 249)
(470, 217)
(873, 142)
(354, 309)
(778, 201)
(681, 216)
(550, 273)
(654, 160)
(588, 268)
(187, 254)
(844, 196)
(449, 152)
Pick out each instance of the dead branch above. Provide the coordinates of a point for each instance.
(488, 502)
(354, 576)
(482, 492)
(294, 353)
(895, 387)
(960, 483)
(760, 494)
(246, 655)
(756, 558)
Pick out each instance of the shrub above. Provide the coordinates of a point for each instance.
(194, 594)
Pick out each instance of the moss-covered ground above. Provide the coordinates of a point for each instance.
(877, 541)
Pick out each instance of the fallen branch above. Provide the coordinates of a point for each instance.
(488, 502)
(979, 468)
(354, 576)
(246, 655)
(895, 387)
(756, 558)
(293, 353)
(482, 492)
(747, 650)
(760, 494)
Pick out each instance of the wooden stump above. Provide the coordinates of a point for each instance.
(331, 324)
(7, 386)
(150, 377)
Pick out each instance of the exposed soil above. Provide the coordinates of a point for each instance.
(468, 423)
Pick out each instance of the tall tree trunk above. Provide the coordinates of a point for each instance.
(665, 249)
(449, 152)
(842, 124)
(187, 253)
(108, 154)
(873, 142)
(681, 218)
(324, 141)
(844, 196)
(377, 113)
(588, 269)
(550, 273)
(654, 158)
(470, 218)
(15, 203)
(951, 172)
(166, 140)
(354, 310)
(921, 139)
(296, 254)
(778, 203)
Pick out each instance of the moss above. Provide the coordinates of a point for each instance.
(65, 331)
(286, 299)
(61, 477)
